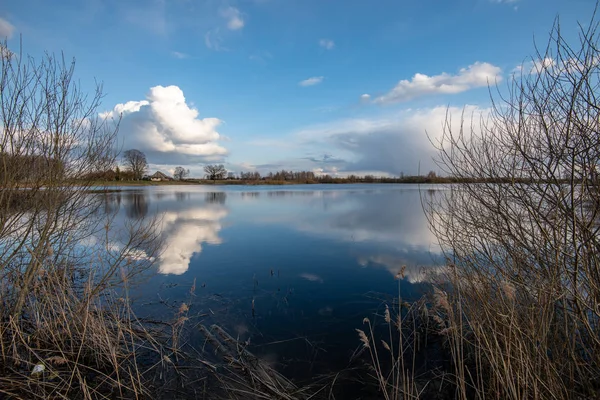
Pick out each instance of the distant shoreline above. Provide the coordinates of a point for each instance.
(333, 181)
(241, 183)
(99, 185)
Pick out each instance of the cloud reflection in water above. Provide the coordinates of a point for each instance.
(413, 273)
(183, 235)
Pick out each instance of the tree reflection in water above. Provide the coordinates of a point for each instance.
(136, 205)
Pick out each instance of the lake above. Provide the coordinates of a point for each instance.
(292, 269)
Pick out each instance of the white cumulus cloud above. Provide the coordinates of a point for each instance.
(327, 44)
(315, 80)
(535, 67)
(234, 18)
(167, 129)
(6, 29)
(475, 75)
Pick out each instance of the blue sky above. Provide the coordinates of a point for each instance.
(326, 85)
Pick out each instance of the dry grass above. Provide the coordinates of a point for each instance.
(522, 314)
(510, 342)
(89, 347)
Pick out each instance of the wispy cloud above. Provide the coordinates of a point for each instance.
(234, 18)
(151, 17)
(6, 29)
(214, 38)
(262, 142)
(179, 55)
(475, 75)
(260, 57)
(325, 159)
(327, 44)
(214, 41)
(315, 80)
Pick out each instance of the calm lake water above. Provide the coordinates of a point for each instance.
(314, 259)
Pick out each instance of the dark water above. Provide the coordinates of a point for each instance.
(315, 260)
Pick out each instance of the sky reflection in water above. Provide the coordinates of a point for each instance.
(310, 257)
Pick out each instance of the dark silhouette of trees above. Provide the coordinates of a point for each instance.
(26, 168)
(250, 176)
(214, 172)
(181, 173)
(284, 176)
(136, 163)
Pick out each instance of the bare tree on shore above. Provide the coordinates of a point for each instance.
(214, 172)
(181, 173)
(136, 163)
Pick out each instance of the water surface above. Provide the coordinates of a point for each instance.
(314, 259)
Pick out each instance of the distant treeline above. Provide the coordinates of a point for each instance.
(111, 175)
(27, 168)
(308, 177)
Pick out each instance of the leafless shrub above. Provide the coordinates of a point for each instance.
(523, 310)
(64, 334)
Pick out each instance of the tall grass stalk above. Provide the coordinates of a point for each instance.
(396, 379)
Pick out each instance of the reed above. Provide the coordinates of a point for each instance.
(393, 360)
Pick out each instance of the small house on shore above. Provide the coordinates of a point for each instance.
(159, 176)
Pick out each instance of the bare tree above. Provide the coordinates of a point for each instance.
(58, 251)
(181, 173)
(523, 243)
(51, 137)
(136, 163)
(215, 172)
